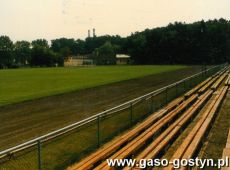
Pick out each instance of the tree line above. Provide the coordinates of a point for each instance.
(178, 43)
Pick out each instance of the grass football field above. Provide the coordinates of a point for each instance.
(18, 85)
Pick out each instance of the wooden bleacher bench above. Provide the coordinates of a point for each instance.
(194, 90)
(228, 141)
(135, 144)
(217, 77)
(191, 142)
(221, 71)
(227, 82)
(162, 142)
(164, 139)
(226, 151)
(112, 146)
(207, 85)
(199, 136)
(199, 86)
(218, 82)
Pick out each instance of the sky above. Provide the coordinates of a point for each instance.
(51, 19)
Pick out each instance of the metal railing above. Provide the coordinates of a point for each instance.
(128, 111)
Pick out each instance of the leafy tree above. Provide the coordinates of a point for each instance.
(41, 43)
(6, 52)
(80, 47)
(65, 52)
(105, 55)
(64, 46)
(95, 42)
(179, 43)
(44, 57)
(22, 52)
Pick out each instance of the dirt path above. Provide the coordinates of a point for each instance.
(23, 121)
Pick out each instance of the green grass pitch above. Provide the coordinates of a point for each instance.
(18, 85)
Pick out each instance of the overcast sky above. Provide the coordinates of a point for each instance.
(50, 19)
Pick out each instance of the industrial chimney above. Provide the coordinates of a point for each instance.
(88, 33)
(94, 32)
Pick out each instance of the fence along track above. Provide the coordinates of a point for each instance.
(109, 149)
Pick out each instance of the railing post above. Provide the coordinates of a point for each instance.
(166, 95)
(194, 80)
(191, 82)
(197, 79)
(205, 70)
(184, 86)
(176, 89)
(151, 103)
(98, 131)
(131, 114)
(39, 155)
